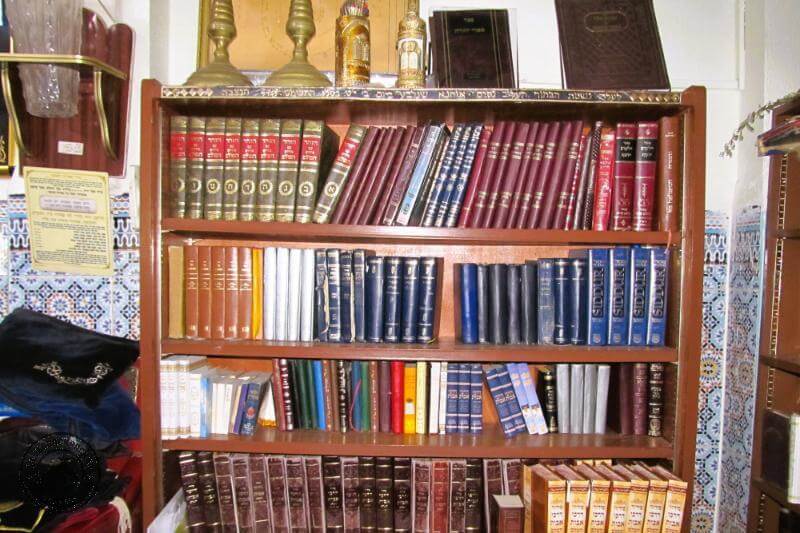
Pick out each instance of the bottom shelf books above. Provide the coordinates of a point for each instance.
(265, 493)
(199, 400)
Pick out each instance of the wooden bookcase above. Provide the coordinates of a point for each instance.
(339, 107)
(779, 350)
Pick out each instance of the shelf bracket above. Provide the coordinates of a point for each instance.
(99, 71)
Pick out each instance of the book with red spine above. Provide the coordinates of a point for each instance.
(277, 395)
(551, 188)
(669, 164)
(356, 173)
(543, 173)
(204, 294)
(485, 210)
(519, 214)
(497, 216)
(376, 181)
(231, 292)
(218, 292)
(644, 183)
(624, 172)
(559, 214)
(471, 186)
(288, 169)
(245, 293)
(440, 496)
(524, 169)
(584, 219)
(397, 397)
(487, 175)
(398, 190)
(574, 182)
(192, 294)
(385, 193)
(605, 176)
(376, 159)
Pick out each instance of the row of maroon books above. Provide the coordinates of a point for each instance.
(537, 175)
(265, 493)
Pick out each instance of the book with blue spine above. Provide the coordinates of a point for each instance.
(359, 277)
(334, 296)
(205, 402)
(619, 260)
(476, 398)
(511, 400)
(637, 321)
(409, 320)
(355, 396)
(657, 296)
(539, 422)
(241, 396)
(464, 393)
(522, 396)
(433, 135)
(311, 394)
(546, 305)
(461, 167)
(319, 395)
(255, 391)
(561, 301)
(498, 394)
(469, 303)
(320, 297)
(346, 309)
(451, 410)
(577, 320)
(597, 310)
(442, 176)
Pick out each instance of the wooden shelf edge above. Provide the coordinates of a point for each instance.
(776, 493)
(442, 351)
(296, 232)
(488, 444)
(788, 234)
(792, 367)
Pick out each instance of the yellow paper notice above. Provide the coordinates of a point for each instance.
(69, 221)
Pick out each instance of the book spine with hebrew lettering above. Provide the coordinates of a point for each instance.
(249, 169)
(178, 140)
(195, 154)
(339, 174)
(269, 140)
(624, 173)
(288, 169)
(232, 172)
(644, 185)
(308, 178)
(213, 168)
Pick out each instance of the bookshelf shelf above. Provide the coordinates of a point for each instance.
(791, 366)
(490, 443)
(339, 108)
(445, 350)
(339, 233)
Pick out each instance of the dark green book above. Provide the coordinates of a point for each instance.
(299, 390)
(366, 420)
(311, 400)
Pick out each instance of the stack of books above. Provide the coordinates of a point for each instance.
(596, 297)
(254, 492)
(543, 175)
(282, 294)
(229, 168)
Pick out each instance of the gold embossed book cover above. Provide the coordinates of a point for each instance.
(610, 44)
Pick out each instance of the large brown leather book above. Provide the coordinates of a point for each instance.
(217, 292)
(332, 481)
(402, 495)
(296, 493)
(624, 171)
(544, 172)
(227, 500)
(473, 510)
(178, 140)
(339, 173)
(610, 45)
(384, 494)
(349, 187)
(508, 515)
(472, 49)
(522, 178)
(485, 209)
(551, 186)
(376, 160)
(213, 168)
(177, 286)
(498, 217)
(400, 184)
(260, 493)
(523, 200)
(231, 292)
(204, 288)
(276, 469)
(487, 174)
(382, 167)
(385, 193)
(241, 487)
(352, 516)
(232, 175)
(421, 478)
(269, 143)
(195, 152)
(191, 277)
(195, 516)
(464, 213)
(288, 169)
(367, 504)
(558, 217)
(208, 489)
(669, 167)
(492, 485)
(440, 496)
(245, 308)
(620, 412)
(318, 148)
(655, 399)
(640, 380)
(249, 169)
(316, 505)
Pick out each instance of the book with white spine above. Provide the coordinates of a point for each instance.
(422, 397)
(601, 408)
(576, 399)
(307, 296)
(589, 397)
(562, 397)
(293, 310)
(282, 296)
(270, 282)
(442, 398)
(433, 406)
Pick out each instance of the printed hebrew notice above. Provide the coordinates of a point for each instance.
(69, 221)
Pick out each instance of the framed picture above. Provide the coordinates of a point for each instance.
(262, 44)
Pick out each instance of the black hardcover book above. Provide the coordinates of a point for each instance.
(548, 398)
(384, 494)
(359, 277)
(334, 296)
(484, 320)
(332, 483)
(392, 299)
(514, 305)
(473, 504)
(208, 490)
(428, 272)
(498, 303)
(561, 284)
(296, 380)
(528, 306)
(545, 315)
(411, 300)
(578, 295)
(346, 295)
(402, 495)
(373, 299)
(320, 297)
(311, 394)
(367, 503)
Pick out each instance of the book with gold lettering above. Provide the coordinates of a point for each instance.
(248, 169)
(288, 169)
(269, 139)
(213, 168)
(317, 150)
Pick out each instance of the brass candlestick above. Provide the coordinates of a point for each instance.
(299, 72)
(221, 30)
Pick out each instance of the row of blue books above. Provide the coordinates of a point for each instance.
(598, 296)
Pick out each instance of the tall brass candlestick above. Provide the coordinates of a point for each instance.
(299, 72)
(411, 39)
(222, 31)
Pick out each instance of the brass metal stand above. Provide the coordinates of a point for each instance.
(299, 72)
(221, 30)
